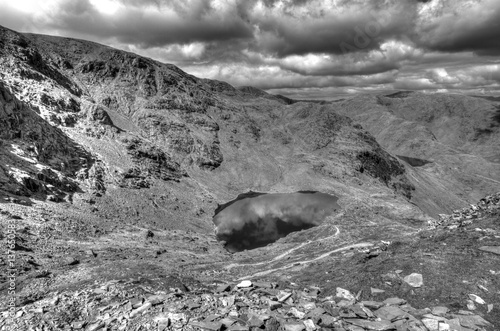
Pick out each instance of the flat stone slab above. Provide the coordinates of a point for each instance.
(316, 312)
(372, 325)
(439, 310)
(477, 299)
(472, 321)
(344, 294)
(294, 327)
(390, 313)
(414, 280)
(376, 290)
(434, 317)
(372, 304)
(209, 326)
(431, 324)
(491, 249)
(327, 320)
(238, 328)
(255, 321)
(394, 302)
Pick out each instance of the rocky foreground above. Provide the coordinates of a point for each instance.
(122, 305)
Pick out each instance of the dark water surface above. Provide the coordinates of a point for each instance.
(256, 219)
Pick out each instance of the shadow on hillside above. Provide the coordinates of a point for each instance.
(38, 160)
(496, 117)
(33, 182)
(399, 94)
(413, 161)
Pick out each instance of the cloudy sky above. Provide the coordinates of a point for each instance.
(299, 48)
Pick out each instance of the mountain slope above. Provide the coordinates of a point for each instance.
(150, 123)
(450, 143)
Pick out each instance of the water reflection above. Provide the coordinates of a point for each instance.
(257, 219)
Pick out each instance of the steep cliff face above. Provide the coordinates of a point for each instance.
(70, 80)
(37, 158)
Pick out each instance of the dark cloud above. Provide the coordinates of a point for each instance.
(276, 27)
(355, 27)
(151, 23)
(455, 26)
(291, 27)
(291, 44)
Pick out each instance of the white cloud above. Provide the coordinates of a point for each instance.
(441, 76)
(107, 7)
(193, 50)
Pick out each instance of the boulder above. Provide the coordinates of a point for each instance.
(414, 280)
(244, 284)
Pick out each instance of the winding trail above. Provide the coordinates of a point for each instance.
(487, 178)
(266, 272)
(296, 263)
(281, 256)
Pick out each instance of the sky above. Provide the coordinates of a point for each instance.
(318, 49)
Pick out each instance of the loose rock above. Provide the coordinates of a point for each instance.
(244, 284)
(414, 280)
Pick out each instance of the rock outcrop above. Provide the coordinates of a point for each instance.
(256, 306)
(36, 158)
(447, 141)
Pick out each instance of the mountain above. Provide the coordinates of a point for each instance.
(449, 141)
(113, 166)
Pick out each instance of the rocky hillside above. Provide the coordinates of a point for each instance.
(112, 166)
(449, 142)
(148, 125)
